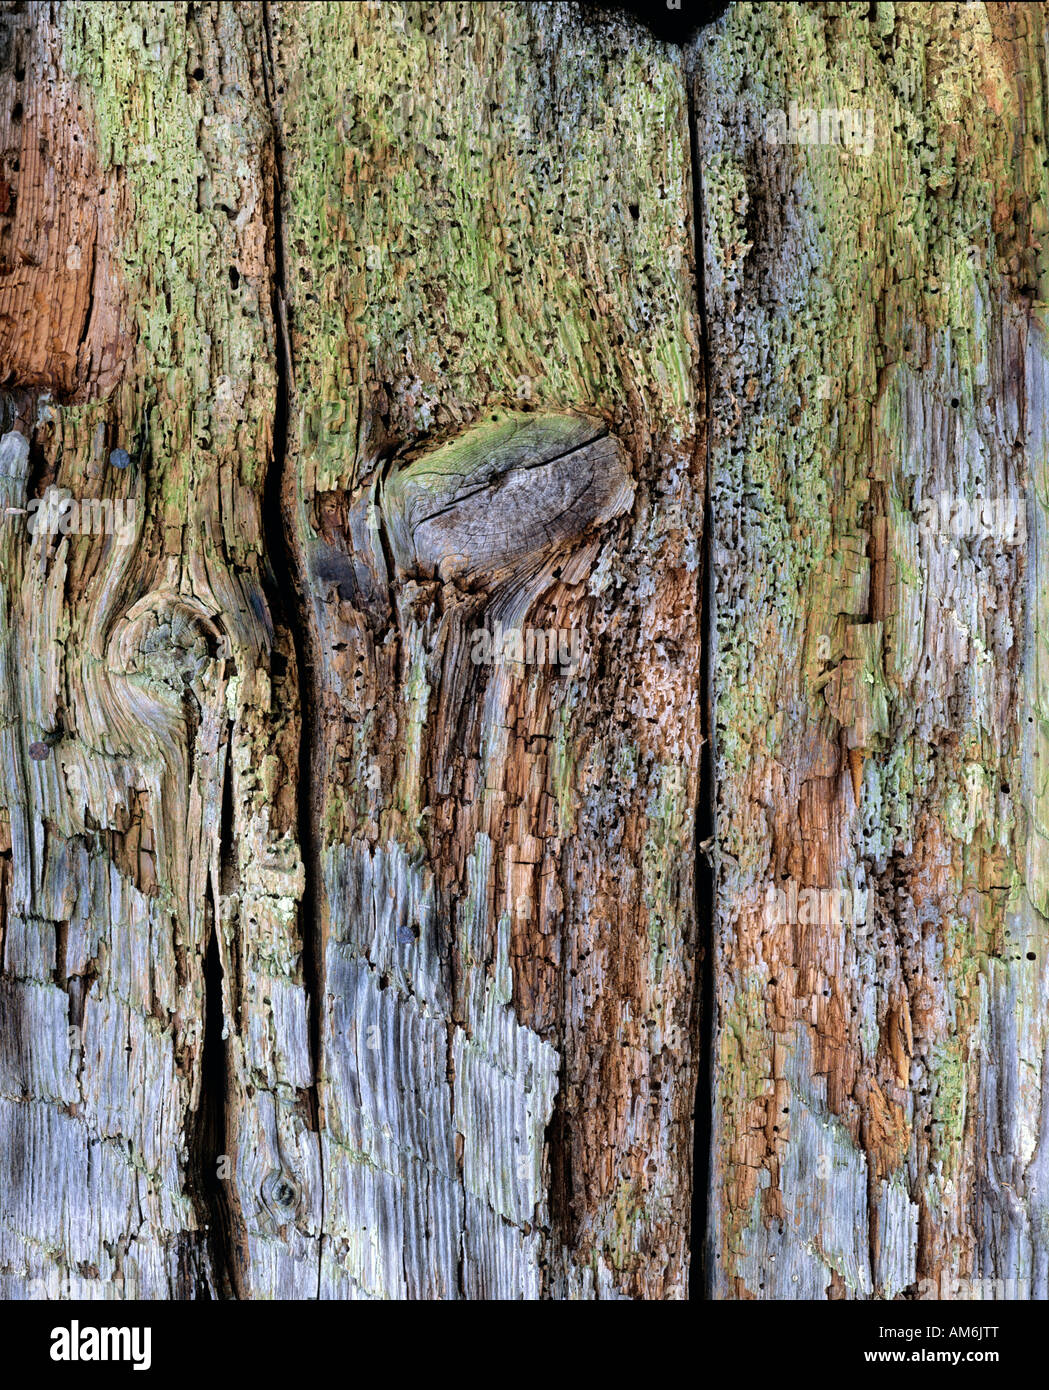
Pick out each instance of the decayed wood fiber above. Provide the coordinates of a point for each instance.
(338, 962)
(333, 962)
(155, 1011)
(63, 325)
(505, 850)
(876, 317)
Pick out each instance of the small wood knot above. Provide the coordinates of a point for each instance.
(281, 1193)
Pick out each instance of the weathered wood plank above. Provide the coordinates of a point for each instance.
(155, 1043)
(370, 1009)
(470, 258)
(875, 309)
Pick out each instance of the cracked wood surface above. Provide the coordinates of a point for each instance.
(353, 918)
(336, 962)
(877, 322)
(506, 907)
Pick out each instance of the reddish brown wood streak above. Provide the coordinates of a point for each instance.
(61, 311)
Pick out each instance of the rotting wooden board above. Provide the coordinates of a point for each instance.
(347, 954)
(412, 1013)
(880, 1112)
(506, 850)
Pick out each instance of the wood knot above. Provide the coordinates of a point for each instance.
(505, 493)
(169, 646)
(281, 1195)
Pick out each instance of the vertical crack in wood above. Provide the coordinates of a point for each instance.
(278, 514)
(705, 884)
(211, 1128)
(218, 1199)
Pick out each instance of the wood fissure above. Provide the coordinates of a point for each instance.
(280, 513)
(208, 1137)
(278, 500)
(706, 838)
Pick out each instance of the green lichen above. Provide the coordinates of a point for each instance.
(410, 792)
(563, 767)
(857, 292)
(188, 160)
(451, 257)
(661, 870)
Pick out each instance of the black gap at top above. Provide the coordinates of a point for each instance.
(671, 25)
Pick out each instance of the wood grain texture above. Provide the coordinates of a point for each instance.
(876, 315)
(63, 315)
(154, 876)
(353, 829)
(318, 975)
(457, 298)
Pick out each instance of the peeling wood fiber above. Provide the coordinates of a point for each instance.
(353, 939)
(419, 1021)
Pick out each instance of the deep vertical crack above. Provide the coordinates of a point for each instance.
(211, 1130)
(700, 1267)
(208, 1134)
(290, 601)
